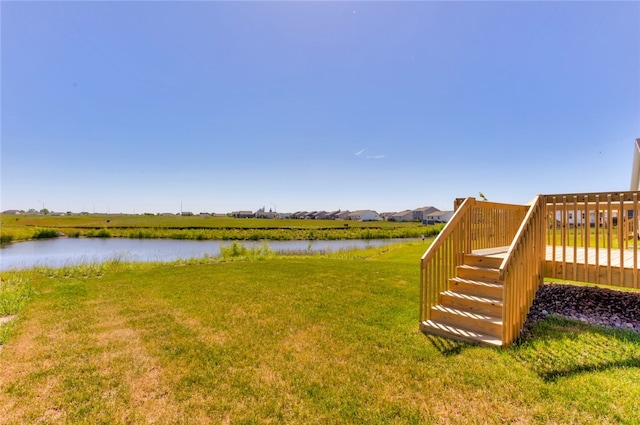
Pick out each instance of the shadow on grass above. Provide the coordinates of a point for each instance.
(447, 347)
(558, 348)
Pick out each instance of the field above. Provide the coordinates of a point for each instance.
(260, 338)
(22, 227)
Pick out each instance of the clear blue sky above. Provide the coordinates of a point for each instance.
(221, 106)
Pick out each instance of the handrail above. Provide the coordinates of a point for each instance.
(448, 229)
(521, 271)
(444, 251)
(508, 259)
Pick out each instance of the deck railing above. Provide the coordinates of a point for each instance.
(474, 225)
(593, 237)
(492, 224)
(522, 271)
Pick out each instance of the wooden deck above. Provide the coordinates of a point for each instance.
(591, 238)
(594, 256)
(605, 267)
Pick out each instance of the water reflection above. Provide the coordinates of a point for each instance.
(70, 251)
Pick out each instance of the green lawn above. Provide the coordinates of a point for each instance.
(276, 339)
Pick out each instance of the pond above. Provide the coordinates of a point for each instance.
(70, 251)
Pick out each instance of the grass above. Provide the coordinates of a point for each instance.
(289, 339)
(15, 292)
(15, 228)
(45, 234)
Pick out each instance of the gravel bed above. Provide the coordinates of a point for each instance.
(593, 305)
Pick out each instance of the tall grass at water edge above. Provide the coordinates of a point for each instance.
(14, 228)
(234, 234)
(45, 234)
(240, 234)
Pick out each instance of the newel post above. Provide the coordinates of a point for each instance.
(468, 225)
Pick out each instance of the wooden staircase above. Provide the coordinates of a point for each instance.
(471, 309)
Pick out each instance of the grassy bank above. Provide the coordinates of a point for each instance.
(15, 228)
(258, 338)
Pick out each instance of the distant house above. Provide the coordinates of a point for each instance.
(580, 220)
(311, 215)
(438, 217)
(343, 215)
(11, 212)
(242, 214)
(186, 213)
(406, 215)
(365, 215)
(419, 214)
(386, 215)
(322, 215)
(264, 214)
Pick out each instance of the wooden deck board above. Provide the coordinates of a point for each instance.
(602, 256)
(586, 265)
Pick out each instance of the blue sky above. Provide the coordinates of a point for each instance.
(222, 106)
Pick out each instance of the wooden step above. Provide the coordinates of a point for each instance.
(459, 334)
(482, 261)
(482, 323)
(476, 287)
(485, 274)
(472, 303)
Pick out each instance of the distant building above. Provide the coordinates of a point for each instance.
(406, 215)
(419, 214)
(438, 217)
(343, 215)
(242, 214)
(265, 214)
(365, 215)
(386, 215)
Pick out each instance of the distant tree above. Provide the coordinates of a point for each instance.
(44, 211)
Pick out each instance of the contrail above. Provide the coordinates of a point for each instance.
(360, 152)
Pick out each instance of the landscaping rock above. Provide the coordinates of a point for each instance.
(593, 305)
